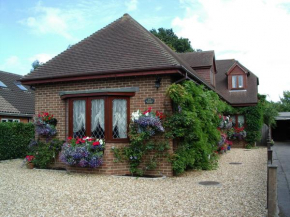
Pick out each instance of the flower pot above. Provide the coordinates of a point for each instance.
(30, 166)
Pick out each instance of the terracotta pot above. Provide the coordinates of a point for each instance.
(30, 166)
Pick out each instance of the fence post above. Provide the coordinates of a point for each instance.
(269, 145)
(272, 191)
(270, 156)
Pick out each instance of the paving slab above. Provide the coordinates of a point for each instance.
(281, 157)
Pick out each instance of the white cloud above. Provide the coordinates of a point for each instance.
(254, 32)
(131, 5)
(42, 57)
(53, 20)
(12, 64)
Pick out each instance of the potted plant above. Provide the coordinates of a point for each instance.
(29, 161)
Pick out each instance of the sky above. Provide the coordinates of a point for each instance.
(254, 32)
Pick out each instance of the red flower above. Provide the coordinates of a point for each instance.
(69, 138)
(96, 143)
(29, 158)
(90, 139)
(160, 115)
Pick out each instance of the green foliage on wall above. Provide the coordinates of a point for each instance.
(141, 144)
(254, 120)
(14, 139)
(194, 126)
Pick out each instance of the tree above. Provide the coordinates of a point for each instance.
(35, 65)
(285, 102)
(180, 45)
(270, 112)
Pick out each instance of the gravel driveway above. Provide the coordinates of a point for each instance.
(242, 191)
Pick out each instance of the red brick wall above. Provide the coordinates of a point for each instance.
(47, 99)
(205, 74)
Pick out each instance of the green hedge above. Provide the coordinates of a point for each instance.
(14, 139)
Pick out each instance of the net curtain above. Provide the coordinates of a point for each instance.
(98, 114)
(79, 115)
(120, 118)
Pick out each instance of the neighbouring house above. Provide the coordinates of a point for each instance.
(230, 79)
(16, 100)
(93, 87)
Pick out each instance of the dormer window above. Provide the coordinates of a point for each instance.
(237, 81)
(237, 78)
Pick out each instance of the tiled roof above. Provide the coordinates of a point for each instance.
(122, 46)
(198, 59)
(236, 97)
(12, 99)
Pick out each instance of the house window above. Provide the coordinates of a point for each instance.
(237, 81)
(100, 117)
(238, 120)
(21, 87)
(4, 120)
(2, 84)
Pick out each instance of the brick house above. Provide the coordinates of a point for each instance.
(16, 100)
(94, 86)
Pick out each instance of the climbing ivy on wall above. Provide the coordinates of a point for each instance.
(193, 125)
(254, 120)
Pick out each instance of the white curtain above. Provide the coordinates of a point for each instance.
(241, 120)
(234, 81)
(120, 117)
(98, 114)
(79, 115)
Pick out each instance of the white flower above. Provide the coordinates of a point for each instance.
(136, 115)
(101, 141)
(147, 114)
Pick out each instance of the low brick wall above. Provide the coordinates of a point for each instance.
(110, 167)
(239, 144)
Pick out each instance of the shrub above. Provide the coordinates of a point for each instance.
(194, 124)
(14, 139)
(44, 152)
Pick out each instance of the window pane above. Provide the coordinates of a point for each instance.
(234, 81)
(21, 87)
(119, 118)
(233, 118)
(211, 77)
(241, 121)
(98, 118)
(241, 82)
(79, 118)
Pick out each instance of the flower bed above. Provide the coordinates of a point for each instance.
(83, 152)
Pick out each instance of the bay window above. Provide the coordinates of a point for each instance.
(100, 117)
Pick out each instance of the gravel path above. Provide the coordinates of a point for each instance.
(242, 191)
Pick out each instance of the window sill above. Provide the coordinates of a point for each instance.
(117, 141)
(238, 90)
